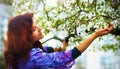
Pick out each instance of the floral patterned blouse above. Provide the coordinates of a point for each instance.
(49, 59)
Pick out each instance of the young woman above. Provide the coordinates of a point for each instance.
(23, 49)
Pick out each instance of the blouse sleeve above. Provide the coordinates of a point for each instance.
(48, 49)
(55, 60)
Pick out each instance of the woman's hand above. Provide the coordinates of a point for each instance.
(101, 32)
(62, 48)
(64, 45)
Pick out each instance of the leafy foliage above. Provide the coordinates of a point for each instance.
(2, 64)
(78, 17)
(9, 2)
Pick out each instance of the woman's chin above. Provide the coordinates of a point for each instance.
(41, 36)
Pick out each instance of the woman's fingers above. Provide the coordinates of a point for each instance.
(105, 31)
(110, 26)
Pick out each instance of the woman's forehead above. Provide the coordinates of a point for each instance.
(34, 20)
(34, 23)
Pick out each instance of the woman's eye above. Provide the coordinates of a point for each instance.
(34, 28)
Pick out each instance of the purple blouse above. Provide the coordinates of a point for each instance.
(42, 60)
(54, 60)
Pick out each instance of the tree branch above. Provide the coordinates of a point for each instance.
(108, 17)
(45, 10)
(55, 37)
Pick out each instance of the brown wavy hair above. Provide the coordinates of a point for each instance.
(19, 39)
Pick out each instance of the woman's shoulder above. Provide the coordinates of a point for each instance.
(35, 50)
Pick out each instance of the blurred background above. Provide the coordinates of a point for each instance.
(75, 18)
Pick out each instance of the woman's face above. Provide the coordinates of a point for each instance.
(37, 34)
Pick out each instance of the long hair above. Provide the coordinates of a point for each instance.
(19, 39)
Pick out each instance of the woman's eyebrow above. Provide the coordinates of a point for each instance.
(33, 26)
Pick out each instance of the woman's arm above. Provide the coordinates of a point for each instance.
(83, 46)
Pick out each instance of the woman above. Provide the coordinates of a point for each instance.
(23, 49)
